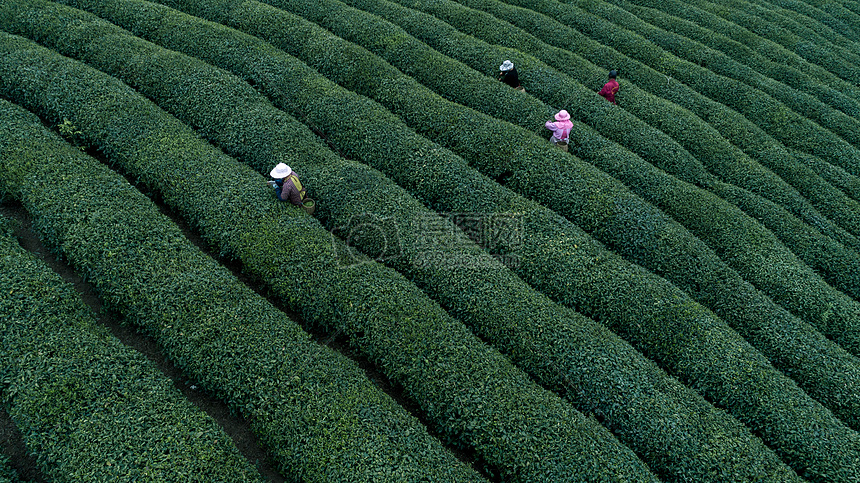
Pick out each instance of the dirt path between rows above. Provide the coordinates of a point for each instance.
(236, 427)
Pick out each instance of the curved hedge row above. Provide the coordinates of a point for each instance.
(803, 104)
(628, 221)
(838, 177)
(830, 14)
(763, 45)
(786, 23)
(315, 411)
(739, 239)
(632, 300)
(831, 57)
(808, 22)
(468, 390)
(839, 266)
(734, 127)
(765, 56)
(851, 6)
(776, 119)
(564, 351)
(88, 407)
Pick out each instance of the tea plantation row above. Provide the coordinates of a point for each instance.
(744, 134)
(83, 401)
(257, 133)
(471, 392)
(530, 345)
(315, 411)
(359, 144)
(712, 217)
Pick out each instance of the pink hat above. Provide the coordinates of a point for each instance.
(281, 171)
(562, 115)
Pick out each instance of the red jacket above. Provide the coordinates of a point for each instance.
(609, 90)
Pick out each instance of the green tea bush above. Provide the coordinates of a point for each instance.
(564, 258)
(88, 407)
(765, 56)
(837, 59)
(841, 269)
(838, 265)
(775, 118)
(838, 177)
(809, 21)
(564, 351)
(830, 14)
(754, 142)
(762, 45)
(316, 412)
(840, 125)
(851, 6)
(321, 106)
(470, 392)
(737, 238)
(317, 111)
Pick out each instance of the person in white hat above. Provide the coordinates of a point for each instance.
(508, 74)
(287, 185)
(560, 127)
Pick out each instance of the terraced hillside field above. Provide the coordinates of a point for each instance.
(674, 298)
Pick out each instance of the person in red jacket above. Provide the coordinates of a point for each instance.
(610, 88)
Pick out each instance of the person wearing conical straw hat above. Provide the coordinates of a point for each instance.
(610, 88)
(508, 74)
(287, 185)
(560, 127)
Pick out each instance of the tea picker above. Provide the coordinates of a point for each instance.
(288, 187)
(508, 74)
(560, 127)
(610, 88)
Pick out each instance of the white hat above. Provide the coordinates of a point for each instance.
(281, 171)
(506, 65)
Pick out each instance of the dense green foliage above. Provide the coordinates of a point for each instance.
(839, 264)
(90, 408)
(787, 33)
(785, 125)
(839, 125)
(725, 214)
(220, 332)
(737, 165)
(562, 261)
(324, 107)
(468, 391)
(596, 201)
(754, 142)
(781, 56)
(748, 49)
(550, 342)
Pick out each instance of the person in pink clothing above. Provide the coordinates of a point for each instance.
(610, 88)
(560, 128)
